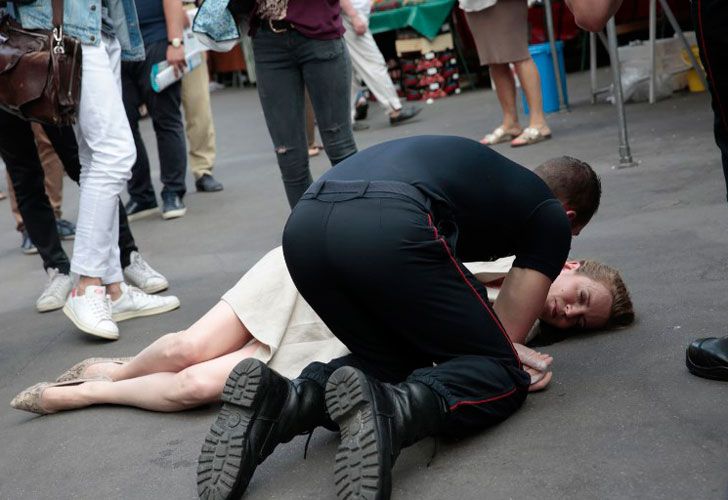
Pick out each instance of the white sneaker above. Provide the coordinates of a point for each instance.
(91, 312)
(134, 303)
(141, 275)
(55, 292)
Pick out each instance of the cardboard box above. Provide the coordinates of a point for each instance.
(423, 45)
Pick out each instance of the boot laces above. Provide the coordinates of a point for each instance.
(308, 440)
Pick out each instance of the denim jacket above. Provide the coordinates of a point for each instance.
(82, 20)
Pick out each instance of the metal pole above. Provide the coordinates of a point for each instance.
(625, 156)
(653, 31)
(563, 100)
(593, 66)
(670, 17)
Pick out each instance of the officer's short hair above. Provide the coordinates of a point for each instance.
(575, 183)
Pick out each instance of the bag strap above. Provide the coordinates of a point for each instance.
(57, 13)
(58, 47)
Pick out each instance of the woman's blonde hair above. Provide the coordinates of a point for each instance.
(622, 312)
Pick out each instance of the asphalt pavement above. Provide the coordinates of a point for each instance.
(622, 418)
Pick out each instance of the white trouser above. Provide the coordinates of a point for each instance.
(107, 152)
(369, 65)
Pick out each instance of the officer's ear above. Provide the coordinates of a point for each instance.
(571, 215)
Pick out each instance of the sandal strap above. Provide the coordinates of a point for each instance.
(496, 135)
(531, 133)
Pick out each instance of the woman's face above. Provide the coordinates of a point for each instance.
(576, 301)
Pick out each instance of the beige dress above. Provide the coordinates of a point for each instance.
(289, 332)
(501, 32)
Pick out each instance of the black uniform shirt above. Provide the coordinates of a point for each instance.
(499, 207)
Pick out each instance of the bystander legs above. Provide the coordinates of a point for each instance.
(161, 23)
(368, 61)
(108, 33)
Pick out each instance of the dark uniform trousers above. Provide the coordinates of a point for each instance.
(19, 152)
(711, 24)
(379, 269)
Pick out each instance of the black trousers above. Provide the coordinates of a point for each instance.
(380, 271)
(711, 25)
(164, 109)
(19, 152)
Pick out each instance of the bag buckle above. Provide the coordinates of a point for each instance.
(275, 30)
(58, 47)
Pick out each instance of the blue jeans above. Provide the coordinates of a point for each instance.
(164, 109)
(284, 63)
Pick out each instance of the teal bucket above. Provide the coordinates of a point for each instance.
(541, 54)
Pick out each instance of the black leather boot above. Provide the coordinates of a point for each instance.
(260, 410)
(708, 358)
(376, 421)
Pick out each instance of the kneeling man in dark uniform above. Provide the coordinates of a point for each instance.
(377, 247)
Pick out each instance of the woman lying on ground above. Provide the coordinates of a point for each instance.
(264, 316)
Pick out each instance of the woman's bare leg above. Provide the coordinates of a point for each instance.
(531, 84)
(196, 385)
(505, 89)
(215, 334)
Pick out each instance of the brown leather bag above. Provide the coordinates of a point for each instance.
(40, 71)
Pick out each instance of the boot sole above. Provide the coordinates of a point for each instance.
(221, 471)
(358, 472)
(713, 373)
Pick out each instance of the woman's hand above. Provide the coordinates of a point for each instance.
(536, 364)
(359, 24)
(532, 358)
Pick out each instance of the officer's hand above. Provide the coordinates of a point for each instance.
(539, 380)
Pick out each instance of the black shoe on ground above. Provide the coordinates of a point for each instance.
(359, 126)
(138, 210)
(260, 410)
(361, 106)
(376, 421)
(172, 206)
(404, 115)
(708, 358)
(208, 184)
(26, 245)
(66, 229)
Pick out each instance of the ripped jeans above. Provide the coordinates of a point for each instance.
(284, 62)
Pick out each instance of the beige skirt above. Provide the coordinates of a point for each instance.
(501, 32)
(289, 334)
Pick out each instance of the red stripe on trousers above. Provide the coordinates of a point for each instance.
(470, 285)
(482, 401)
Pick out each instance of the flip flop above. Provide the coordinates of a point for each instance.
(499, 135)
(530, 135)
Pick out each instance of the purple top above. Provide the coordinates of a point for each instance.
(320, 19)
